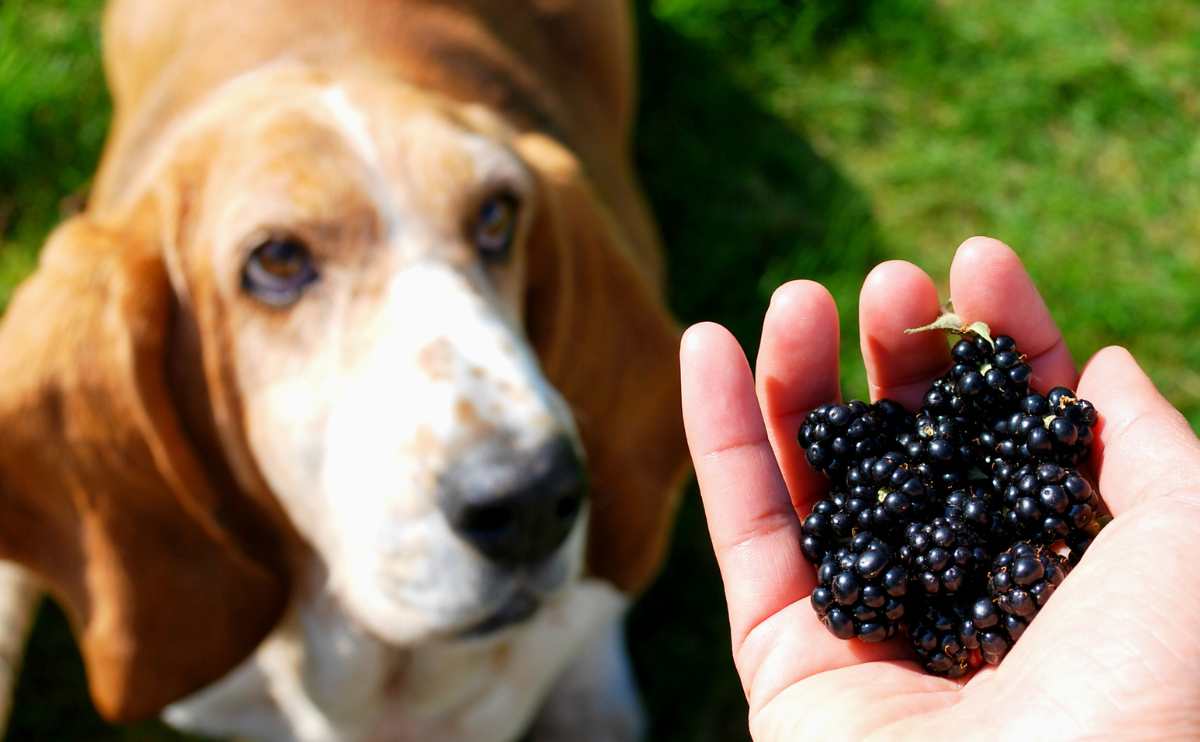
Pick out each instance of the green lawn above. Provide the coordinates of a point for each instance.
(781, 138)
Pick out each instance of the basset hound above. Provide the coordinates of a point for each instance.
(348, 409)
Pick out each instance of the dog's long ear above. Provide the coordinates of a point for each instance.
(101, 494)
(608, 345)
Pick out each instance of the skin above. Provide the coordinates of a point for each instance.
(1116, 652)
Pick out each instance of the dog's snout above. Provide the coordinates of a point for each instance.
(518, 510)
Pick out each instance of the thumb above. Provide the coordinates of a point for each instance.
(1116, 646)
(1144, 447)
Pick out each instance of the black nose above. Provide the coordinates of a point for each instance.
(516, 509)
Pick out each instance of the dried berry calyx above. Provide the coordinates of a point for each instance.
(955, 524)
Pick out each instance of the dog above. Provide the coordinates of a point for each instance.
(348, 408)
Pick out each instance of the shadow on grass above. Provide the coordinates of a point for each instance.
(744, 203)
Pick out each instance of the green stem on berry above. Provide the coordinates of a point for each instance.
(948, 321)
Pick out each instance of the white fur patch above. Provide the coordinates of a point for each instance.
(484, 690)
(19, 595)
(596, 699)
(352, 123)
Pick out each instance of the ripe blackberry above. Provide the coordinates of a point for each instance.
(942, 555)
(979, 511)
(1023, 577)
(1059, 432)
(821, 530)
(943, 398)
(1003, 472)
(984, 378)
(988, 626)
(892, 416)
(834, 435)
(942, 446)
(886, 492)
(1046, 503)
(1071, 425)
(861, 589)
(935, 636)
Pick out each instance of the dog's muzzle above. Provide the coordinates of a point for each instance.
(516, 508)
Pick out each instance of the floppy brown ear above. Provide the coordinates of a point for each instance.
(101, 494)
(608, 345)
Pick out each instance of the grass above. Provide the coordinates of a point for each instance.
(779, 139)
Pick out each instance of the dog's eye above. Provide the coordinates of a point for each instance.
(278, 270)
(495, 224)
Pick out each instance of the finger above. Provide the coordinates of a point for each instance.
(1133, 587)
(898, 295)
(988, 283)
(1144, 446)
(797, 370)
(754, 529)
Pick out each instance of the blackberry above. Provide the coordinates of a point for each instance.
(1022, 579)
(885, 492)
(935, 636)
(821, 529)
(942, 447)
(988, 626)
(984, 378)
(1071, 422)
(978, 510)
(942, 555)
(834, 435)
(892, 416)
(1004, 471)
(1046, 503)
(860, 590)
(943, 399)
(1009, 375)
(1041, 430)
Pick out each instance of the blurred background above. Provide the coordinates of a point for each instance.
(782, 139)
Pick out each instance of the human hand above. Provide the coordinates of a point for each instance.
(1115, 652)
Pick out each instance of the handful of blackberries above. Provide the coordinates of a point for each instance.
(953, 525)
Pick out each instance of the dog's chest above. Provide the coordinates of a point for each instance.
(319, 678)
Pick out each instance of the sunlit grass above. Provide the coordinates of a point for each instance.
(1067, 129)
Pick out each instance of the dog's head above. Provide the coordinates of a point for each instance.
(358, 254)
(344, 320)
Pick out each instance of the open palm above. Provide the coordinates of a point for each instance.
(1116, 651)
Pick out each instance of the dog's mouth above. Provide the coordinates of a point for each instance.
(521, 606)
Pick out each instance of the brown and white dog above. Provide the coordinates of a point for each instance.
(349, 407)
